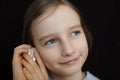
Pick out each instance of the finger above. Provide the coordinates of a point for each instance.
(30, 64)
(39, 60)
(23, 46)
(21, 49)
(17, 57)
(39, 70)
(34, 72)
(28, 58)
(27, 74)
(41, 65)
(16, 62)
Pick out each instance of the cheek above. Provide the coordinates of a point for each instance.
(82, 47)
(49, 56)
(84, 52)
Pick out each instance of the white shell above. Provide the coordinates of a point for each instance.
(31, 53)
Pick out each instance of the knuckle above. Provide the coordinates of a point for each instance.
(32, 70)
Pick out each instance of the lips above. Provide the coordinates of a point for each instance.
(69, 62)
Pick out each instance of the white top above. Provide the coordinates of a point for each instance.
(90, 76)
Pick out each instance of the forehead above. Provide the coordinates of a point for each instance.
(62, 17)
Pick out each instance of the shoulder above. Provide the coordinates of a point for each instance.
(90, 76)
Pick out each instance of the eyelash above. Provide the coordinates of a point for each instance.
(75, 33)
(53, 41)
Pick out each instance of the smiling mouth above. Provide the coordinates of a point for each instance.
(69, 62)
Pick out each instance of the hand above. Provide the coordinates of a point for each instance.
(17, 62)
(34, 70)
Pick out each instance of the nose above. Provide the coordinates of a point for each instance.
(67, 48)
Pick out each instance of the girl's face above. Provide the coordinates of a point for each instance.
(60, 41)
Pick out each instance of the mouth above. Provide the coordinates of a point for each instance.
(70, 62)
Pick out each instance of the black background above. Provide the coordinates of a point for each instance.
(101, 17)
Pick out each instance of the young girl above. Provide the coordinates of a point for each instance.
(55, 28)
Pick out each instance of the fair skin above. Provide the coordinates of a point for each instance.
(61, 43)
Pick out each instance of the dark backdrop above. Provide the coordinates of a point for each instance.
(103, 22)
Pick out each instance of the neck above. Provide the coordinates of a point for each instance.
(76, 76)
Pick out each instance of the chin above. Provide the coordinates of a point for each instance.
(70, 71)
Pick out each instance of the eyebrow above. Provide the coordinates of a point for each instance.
(46, 36)
(75, 26)
(54, 34)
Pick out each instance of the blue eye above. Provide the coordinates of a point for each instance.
(51, 41)
(75, 33)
